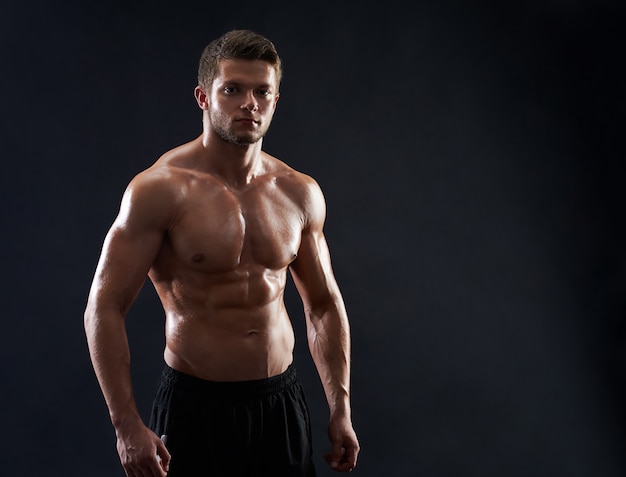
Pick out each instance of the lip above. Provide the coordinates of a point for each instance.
(246, 121)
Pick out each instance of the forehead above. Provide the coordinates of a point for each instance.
(252, 72)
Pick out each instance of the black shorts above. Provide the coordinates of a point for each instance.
(218, 429)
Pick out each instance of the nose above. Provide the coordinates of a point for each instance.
(250, 104)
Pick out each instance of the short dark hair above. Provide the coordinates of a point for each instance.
(237, 44)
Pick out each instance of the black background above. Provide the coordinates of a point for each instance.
(471, 157)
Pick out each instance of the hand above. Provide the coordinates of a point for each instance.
(142, 453)
(345, 446)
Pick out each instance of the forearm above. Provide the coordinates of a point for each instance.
(329, 343)
(110, 356)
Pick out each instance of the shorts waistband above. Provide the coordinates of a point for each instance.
(257, 387)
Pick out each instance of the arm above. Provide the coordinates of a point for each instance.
(328, 331)
(129, 249)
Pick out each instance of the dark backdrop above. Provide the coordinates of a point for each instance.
(471, 156)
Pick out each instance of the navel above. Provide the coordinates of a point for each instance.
(197, 257)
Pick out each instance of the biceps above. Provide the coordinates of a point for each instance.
(312, 272)
(123, 266)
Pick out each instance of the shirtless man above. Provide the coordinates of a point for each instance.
(215, 224)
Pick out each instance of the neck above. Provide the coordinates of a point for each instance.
(236, 164)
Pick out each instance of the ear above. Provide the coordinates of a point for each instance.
(276, 100)
(201, 98)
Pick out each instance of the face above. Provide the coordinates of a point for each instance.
(242, 100)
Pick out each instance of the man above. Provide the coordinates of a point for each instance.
(215, 224)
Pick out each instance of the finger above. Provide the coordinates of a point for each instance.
(163, 456)
(135, 472)
(155, 469)
(148, 467)
(351, 455)
(157, 466)
(341, 467)
(336, 455)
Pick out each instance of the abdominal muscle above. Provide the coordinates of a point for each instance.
(230, 329)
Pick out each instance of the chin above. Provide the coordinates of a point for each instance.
(246, 140)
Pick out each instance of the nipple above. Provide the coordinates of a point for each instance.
(197, 258)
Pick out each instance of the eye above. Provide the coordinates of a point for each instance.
(230, 89)
(263, 92)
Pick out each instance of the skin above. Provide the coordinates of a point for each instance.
(216, 224)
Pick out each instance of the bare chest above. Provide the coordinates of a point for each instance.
(218, 230)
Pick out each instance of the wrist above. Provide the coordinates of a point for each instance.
(123, 423)
(340, 407)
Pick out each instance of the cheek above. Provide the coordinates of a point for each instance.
(270, 108)
(215, 102)
(216, 115)
(218, 107)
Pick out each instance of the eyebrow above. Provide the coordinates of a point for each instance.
(239, 83)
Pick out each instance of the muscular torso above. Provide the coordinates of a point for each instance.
(221, 274)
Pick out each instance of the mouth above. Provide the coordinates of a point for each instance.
(246, 121)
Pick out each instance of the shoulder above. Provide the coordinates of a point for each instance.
(146, 201)
(150, 186)
(155, 191)
(163, 179)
